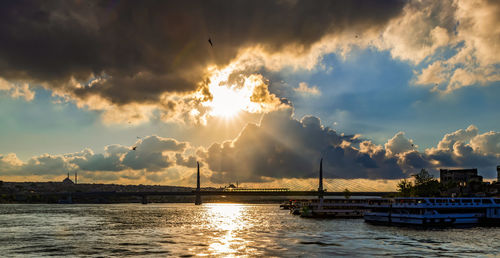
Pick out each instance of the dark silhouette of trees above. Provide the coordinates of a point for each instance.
(405, 188)
(424, 185)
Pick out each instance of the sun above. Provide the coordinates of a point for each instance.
(227, 102)
(229, 98)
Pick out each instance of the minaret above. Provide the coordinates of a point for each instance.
(197, 200)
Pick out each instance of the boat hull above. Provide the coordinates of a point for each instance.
(334, 214)
(445, 220)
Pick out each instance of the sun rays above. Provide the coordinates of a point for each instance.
(231, 93)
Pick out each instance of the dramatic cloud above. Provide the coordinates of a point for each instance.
(282, 147)
(17, 90)
(41, 165)
(106, 55)
(151, 154)
(456, 41)
(460, 149)
(399, 144)
(279, 149)
(467, 148)
(152, 59)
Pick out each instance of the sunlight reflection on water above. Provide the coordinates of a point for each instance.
(228, 218)
(218, 230)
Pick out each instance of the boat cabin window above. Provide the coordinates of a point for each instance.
(497, 201)
(441, 201)
(486, 201)
(477, 201)
(432, 200)
(466, 201)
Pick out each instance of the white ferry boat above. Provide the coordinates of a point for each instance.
(337, 208)
(429, 211)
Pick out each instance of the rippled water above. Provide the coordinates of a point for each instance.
(218, 230)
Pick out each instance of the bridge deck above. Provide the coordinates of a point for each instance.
(226, 193)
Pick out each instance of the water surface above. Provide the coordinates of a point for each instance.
(219, 230)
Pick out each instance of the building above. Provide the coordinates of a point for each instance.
(67, 181)
(460, 176)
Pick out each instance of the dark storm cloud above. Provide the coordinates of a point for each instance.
(283, 147)
(143, 48)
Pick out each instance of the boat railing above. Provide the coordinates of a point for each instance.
(446, 202)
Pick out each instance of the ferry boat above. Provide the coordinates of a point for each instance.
(295, 207)
(337, 208)
(285, 205)
(429, 211)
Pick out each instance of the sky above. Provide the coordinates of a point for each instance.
(258, 92)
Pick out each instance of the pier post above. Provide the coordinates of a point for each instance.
(197, 200)
(144, 199)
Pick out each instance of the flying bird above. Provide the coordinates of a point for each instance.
(210, 41)
(135, 147)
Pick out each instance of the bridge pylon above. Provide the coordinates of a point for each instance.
(197, 200)
(320, 183)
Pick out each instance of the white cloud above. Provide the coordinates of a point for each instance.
(279, 148)
(399, 144)
(17, 90)
(460, 135)
(305, 89)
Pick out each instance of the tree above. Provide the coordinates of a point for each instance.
(347, 193)
(423, 177)
(405, 188)
(426, 185)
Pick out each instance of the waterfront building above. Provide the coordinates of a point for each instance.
(460, 176)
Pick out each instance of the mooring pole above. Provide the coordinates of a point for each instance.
(197, 200)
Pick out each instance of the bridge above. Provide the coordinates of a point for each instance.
(198, 192)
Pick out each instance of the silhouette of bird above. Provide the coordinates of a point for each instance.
(210, 41)
(135, 147)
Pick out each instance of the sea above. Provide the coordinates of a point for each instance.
(219, 230)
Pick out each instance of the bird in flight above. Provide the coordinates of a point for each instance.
(135, 147)
(210, 41)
